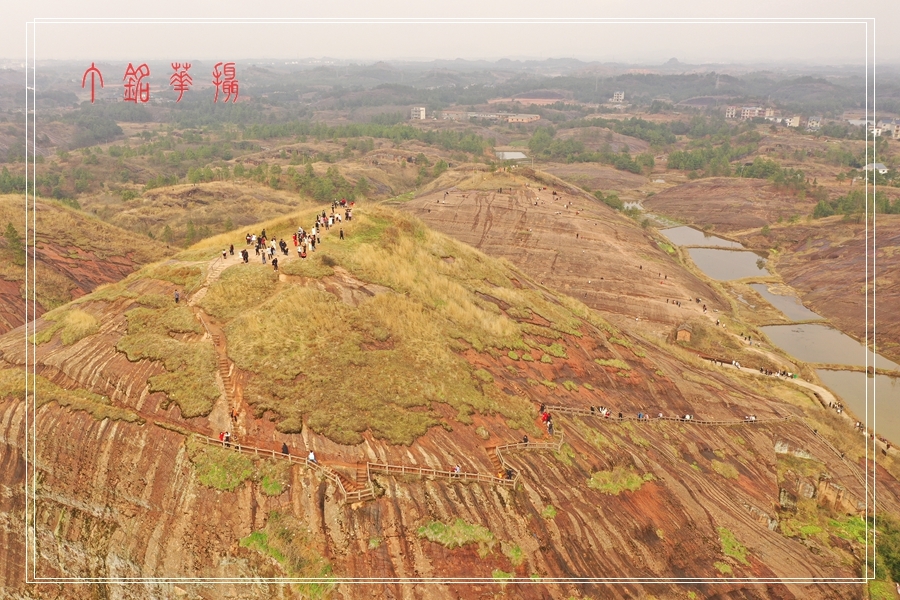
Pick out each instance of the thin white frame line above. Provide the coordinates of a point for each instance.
(257, 580)
(874, 339)
(33, 25)
(588, 20)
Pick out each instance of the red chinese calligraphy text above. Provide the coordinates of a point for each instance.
(135, 89)
(224, 79)
(180, 80)
(94, 71)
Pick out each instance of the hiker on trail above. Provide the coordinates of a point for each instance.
(284, 449)
(222, 437)
(550, 427)
(264, 257)
(177, 296)
(342, 233)
(248, 239)
(312, 457)
(231, 250)
(227, 439)
(224, 254)
(525, 439)
(275, 264)
(543, 409)
(510, 474)
(545, 417)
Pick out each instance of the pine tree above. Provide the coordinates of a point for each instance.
(14, 243)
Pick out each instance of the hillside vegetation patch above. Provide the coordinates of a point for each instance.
(459, 533)
(731, 547)
(238, 288)
(618, 480)
(724, 469)
(219, 468)
(73, 324)
(613, 362)
(380, 365)
(287, 540)
(189, 380)
(13, 384)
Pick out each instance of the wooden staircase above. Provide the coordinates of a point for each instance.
(224, 371)
(495, 460)
(357, 489)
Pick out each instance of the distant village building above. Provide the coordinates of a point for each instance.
(751, 112)
(770, 112)
(895, 129)
(877, 167)
(523, 118)
(462, 115)
(875, 131)
(889, 127)
(731, 112)
(510, 155)
(683, 333)
(813, 123)
(792, 121)
(618, 97)
(417, 113)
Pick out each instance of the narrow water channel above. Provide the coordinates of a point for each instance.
(809, 342)
(726, 265)
(812, 342)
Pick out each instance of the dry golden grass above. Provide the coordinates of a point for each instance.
(239, 288)
(389, 358)
(73, 324)
(67, 227)
(13, 385)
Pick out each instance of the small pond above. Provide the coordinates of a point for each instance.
(851, 387)
(792, 308)
(727, 264)
(688, 236)
(816, 343)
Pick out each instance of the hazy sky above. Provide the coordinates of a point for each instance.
(826, 43)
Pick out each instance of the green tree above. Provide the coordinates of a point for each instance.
(190, 235)
(541, 139)
(167, 235)
(14, 243)
(362, 186)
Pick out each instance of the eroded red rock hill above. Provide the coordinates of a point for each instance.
(395, 356)
(72, 255)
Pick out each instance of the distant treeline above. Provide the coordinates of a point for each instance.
(448, 140)
(854, 203)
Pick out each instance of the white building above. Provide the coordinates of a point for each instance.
(814, 123)
(792, 121)
(730, 112)
(890, 127)
(417, 113)
(618, 97)
(878, 167)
